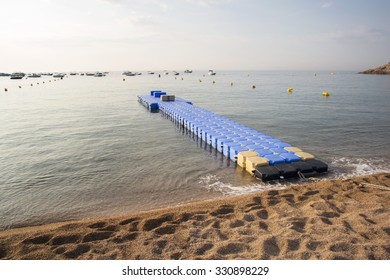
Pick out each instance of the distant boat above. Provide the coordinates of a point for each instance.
(188, 71)
(212, 73)
(17, 75)
(59, 75)
(128, 73)
(150, 73)
(90, 74)
(99, 74)
(4, 75)
(33, 75)
(73, 74)
(175, 73)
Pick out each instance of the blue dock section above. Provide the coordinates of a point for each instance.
(260, 155)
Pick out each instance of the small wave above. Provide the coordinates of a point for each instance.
(351, 167)
(214, 183)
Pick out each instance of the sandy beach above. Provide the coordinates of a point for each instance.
(327, 219)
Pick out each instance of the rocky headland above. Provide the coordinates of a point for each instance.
(383, 70)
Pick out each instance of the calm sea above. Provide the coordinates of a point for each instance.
(84, 147)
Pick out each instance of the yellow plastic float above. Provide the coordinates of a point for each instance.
(325, 93)
(242, 156)
(252, 162)
(304, 156)
(290, 89)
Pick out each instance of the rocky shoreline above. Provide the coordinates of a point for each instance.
(381, 70)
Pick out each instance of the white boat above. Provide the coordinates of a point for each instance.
(33, 75)
(188, 71)
(98, 74)
(128, 73)
(212, 73)
(17, 75)
(59, 75)
(175, 73)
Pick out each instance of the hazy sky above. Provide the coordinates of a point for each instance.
(105, 35)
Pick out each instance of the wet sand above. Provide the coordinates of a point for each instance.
(327, 219)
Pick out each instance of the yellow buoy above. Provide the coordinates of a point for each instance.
(124, 79)
(325, 93)
(290, 89)
(200, 80)
(253, 86)
(20, 87)
(5, 89)
(31, 84)
(315, 74)
(231, 83)
(213, 82)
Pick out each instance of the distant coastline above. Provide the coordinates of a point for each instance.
(381, 70)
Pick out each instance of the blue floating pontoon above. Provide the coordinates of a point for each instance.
(261, 155)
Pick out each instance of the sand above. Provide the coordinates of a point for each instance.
(328, 219)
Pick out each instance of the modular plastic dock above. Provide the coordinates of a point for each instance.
(260, 155)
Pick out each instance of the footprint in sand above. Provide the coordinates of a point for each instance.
(237, 223)
(340, 247)
(169, 229)
(270, 247)
(263, 226)
(289, 198)
(78, 251)
(312, 245)
(306, 195)
(159, 246)
(125, 238)
(128, 221)
(273, 193)
(3, 252)
(65, 239)
(310, 193)
(59, 250)
(249, 217)
(214, 232)
(272, 199)
(41, 239)
(262, 214)
(299, 225)
(155, 223)
(98, 235)
(326, 216)
(176, 256)
(293, 244)
(367, 219)
(232, 248)
(257, 200)
(203, 249)
(252, 206)
(347, 226)
(97, 225)
(133, 226)
(223, 210)
(326, 221)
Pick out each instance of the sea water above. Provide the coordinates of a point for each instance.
(84, 147)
